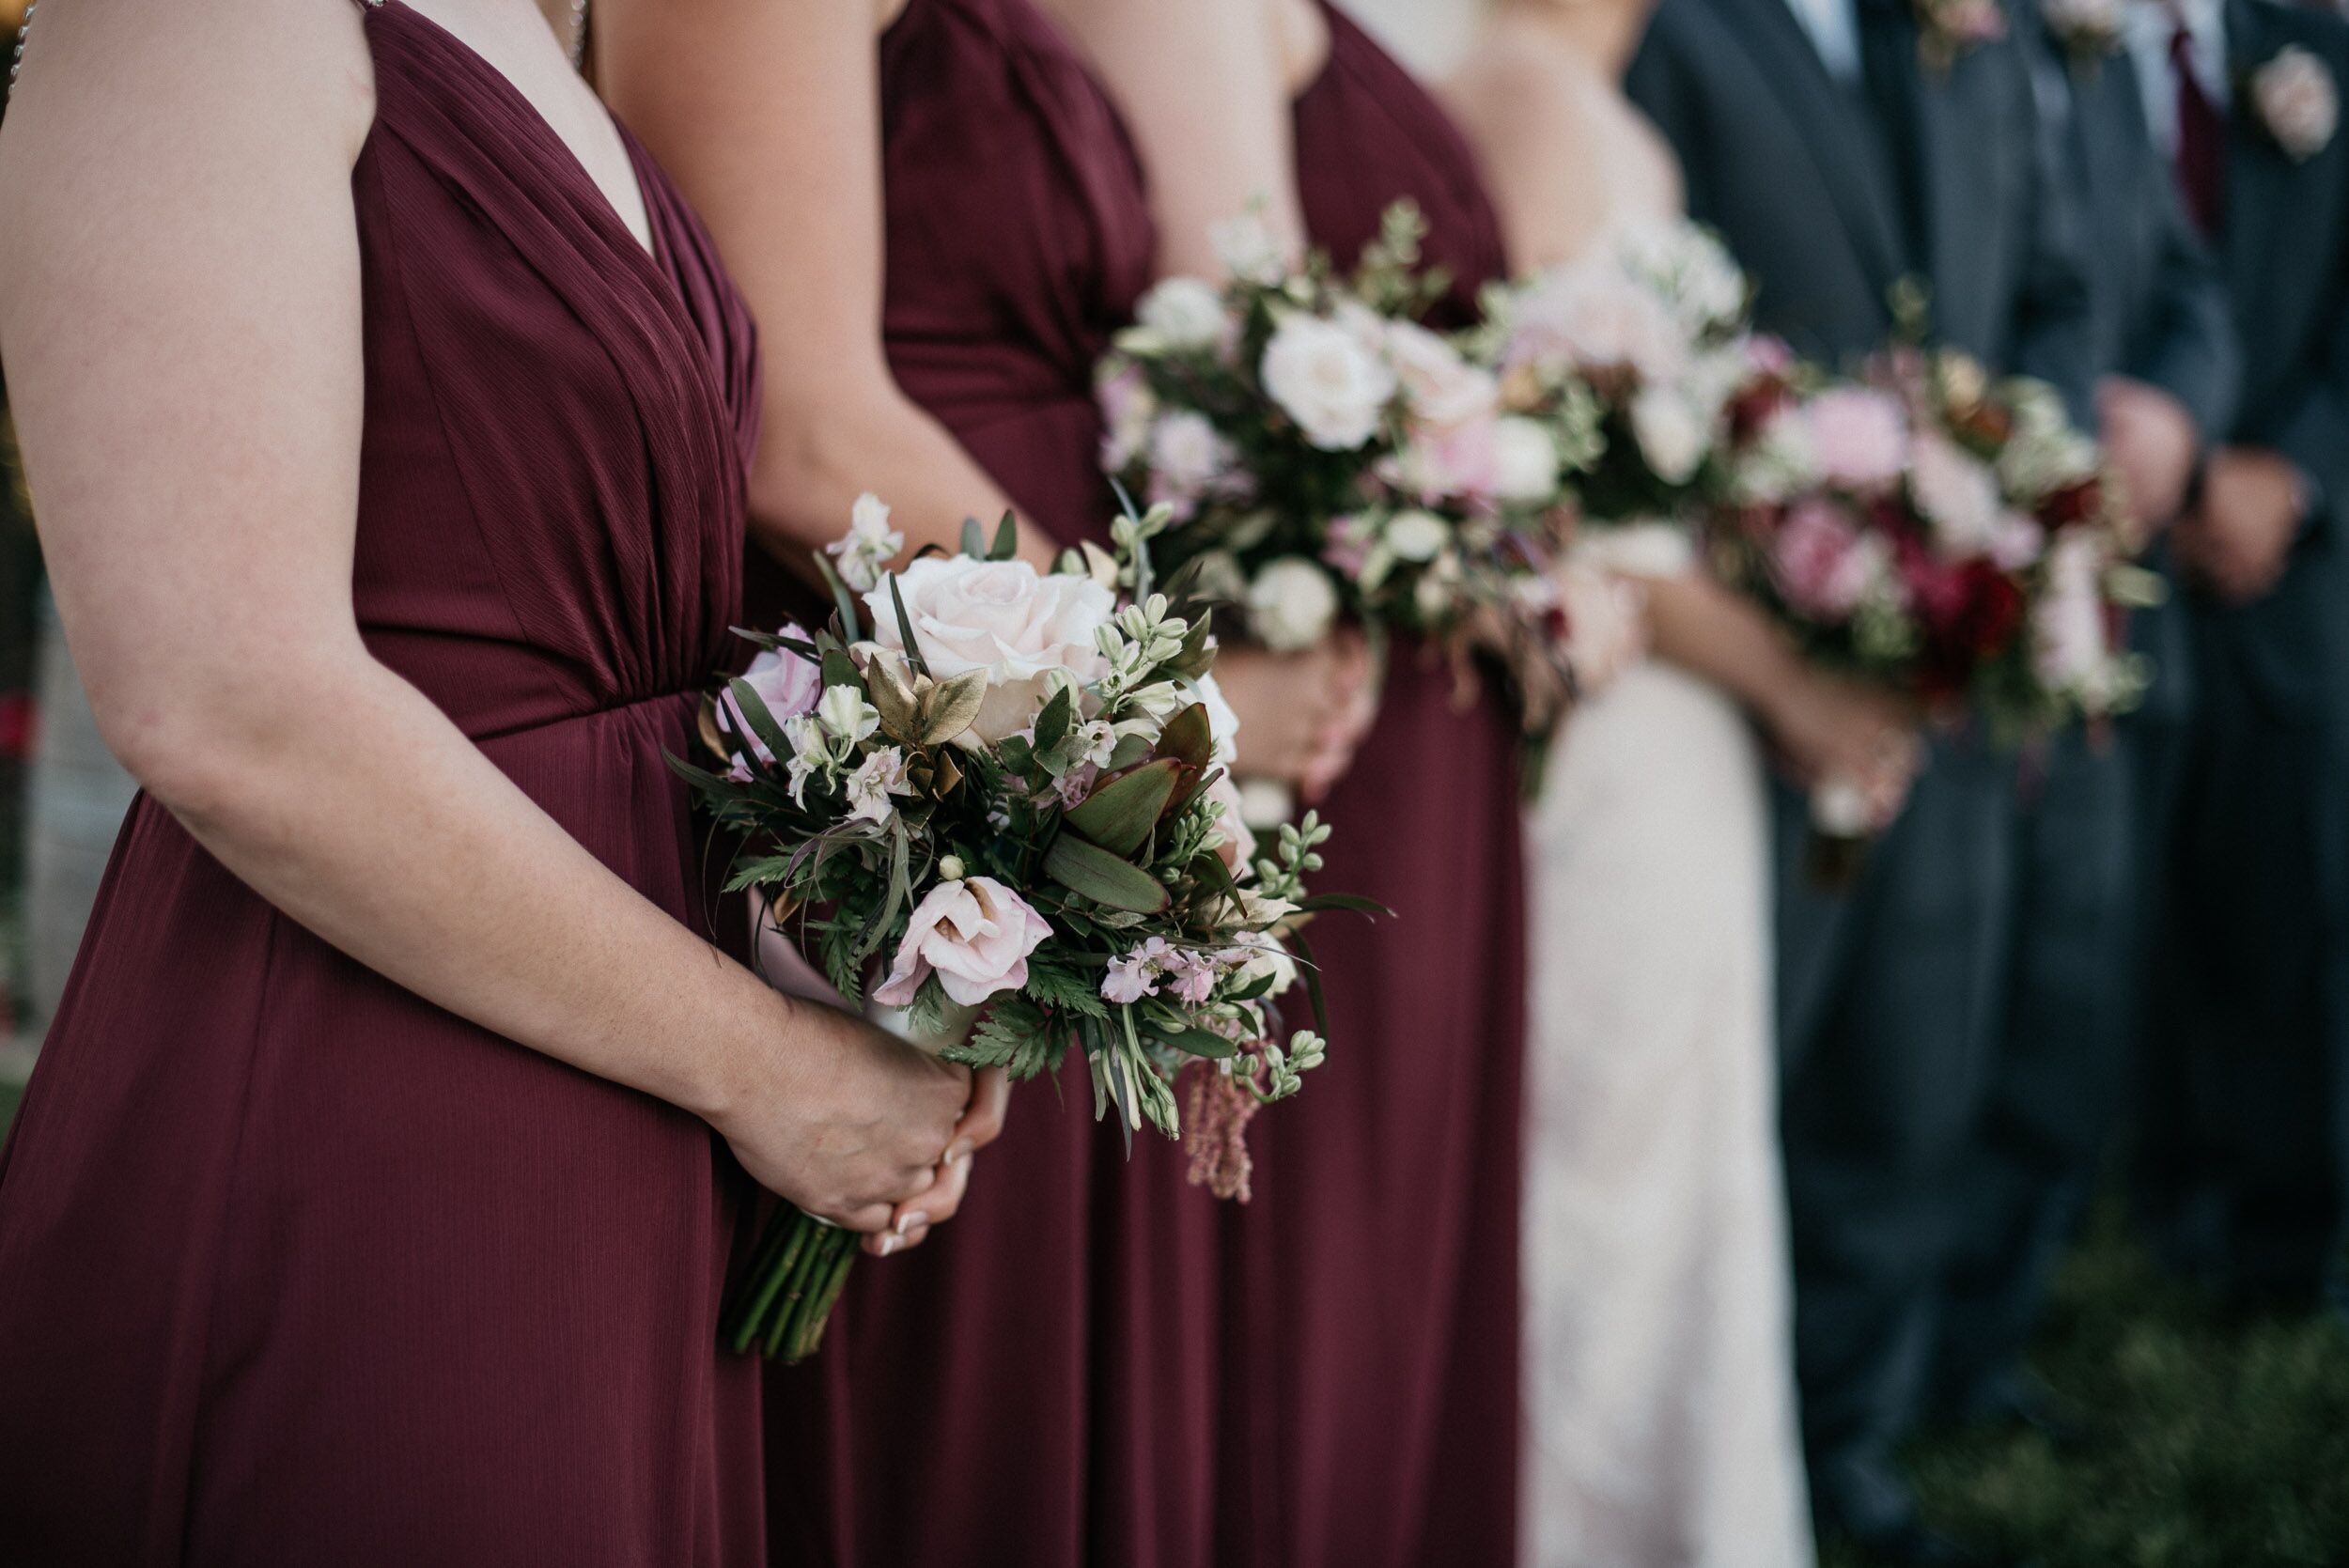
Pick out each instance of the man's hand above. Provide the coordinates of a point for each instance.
(2151, 442)
(2239, 538)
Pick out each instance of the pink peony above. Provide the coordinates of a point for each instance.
(976, 933)
(787, 684)
(1858, 438)
(1819, 560)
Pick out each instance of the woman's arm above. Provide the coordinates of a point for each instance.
(180, 310)
(1204, 89)
(768, 114)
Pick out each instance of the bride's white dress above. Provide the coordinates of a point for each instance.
(1661, 1389)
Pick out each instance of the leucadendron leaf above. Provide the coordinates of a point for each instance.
(1189, 736)
(1093, 870)
(894, 700)
(1119, 814)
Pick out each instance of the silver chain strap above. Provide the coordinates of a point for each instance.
(24, 31)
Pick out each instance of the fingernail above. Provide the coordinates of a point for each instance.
(960, 1149)
(915, 1239)
(891, 1243)
(910, 1220)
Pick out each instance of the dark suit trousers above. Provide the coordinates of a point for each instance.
(1891, 999)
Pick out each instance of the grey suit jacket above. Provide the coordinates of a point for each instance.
(1828, 203)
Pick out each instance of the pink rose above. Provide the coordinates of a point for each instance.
(787, 684)
(976, 933)
(1448, 461)
(1858, 438)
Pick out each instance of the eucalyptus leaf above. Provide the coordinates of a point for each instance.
(842, 601)
(1195, 1042)
(1052, 725)
(1007, 539)
(973, 541)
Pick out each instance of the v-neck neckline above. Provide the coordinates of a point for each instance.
(647, 245)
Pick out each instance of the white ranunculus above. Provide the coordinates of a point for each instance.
(1328, 379)
(1002, 616)
(1525, 462)
(1416, 535)
(1672, 436)
(1184, 313)
(1291, 604)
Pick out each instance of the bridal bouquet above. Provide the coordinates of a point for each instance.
(1322, 455)
(1647, 340)
(1947, 537)
(991, 804)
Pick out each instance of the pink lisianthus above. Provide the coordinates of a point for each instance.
(975, 934)
(1346, 544)
(1858, 438)
(787, 684)
(1448, 462)
(1127, 407)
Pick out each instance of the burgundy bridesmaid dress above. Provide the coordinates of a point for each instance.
(1035, 1387)
(1373, 1297)
(296, 1268)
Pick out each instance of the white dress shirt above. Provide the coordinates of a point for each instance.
(1833, 28)
(2151, 25)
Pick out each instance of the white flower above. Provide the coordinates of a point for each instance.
(1325, 377)
(845, 714)
(1291, 604)
(1128, 407)
(1184, 314)
(2071, 645)
(1023, 629)
(2298, 102)
(1188, 458)
(1779, 464)
(1691, 269)
(1958, 494)
(880, 775)
(1222, 720)
(869, 545)
(1525, 462)
(1593, 315)
(1441, 387)
(811, 754)
(1247, 249)
(1416, 535)
(1672, 436)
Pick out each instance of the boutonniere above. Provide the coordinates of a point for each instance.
(2296, 101)
(2089, 29)
(1949, 28)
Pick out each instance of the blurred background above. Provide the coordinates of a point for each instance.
(2204, 1438)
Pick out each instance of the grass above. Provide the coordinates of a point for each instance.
(2218, 1442)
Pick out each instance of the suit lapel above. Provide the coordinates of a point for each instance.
(1842, 143)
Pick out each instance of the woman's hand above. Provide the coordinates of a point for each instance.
(1302, 715)
(981, 1123)
(1832, 730)
(848, 1122)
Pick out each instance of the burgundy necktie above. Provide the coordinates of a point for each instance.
(2202, 140)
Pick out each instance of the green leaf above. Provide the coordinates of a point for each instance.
(754, 712)
(1189, 736)
(1194, 1042)
(842, 601)
(1350, 903)
(1052, 725)
(840, 669)
(1306, 966)
(1132, 749)
(894, 700)
(1120, 884)
(1065, 992)
(973, 542)
(905, 629)
(1119, 814)
(1007, 539)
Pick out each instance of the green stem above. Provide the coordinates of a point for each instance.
(784, 1242)
(806, 1271)
(810, 1332)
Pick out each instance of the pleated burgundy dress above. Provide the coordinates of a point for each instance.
(1035, 1387)
(1373, 1290)
(296, 1268)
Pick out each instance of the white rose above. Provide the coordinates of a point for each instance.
(1329, 380)
(1184, 313)
(1416, 535)
(1003, 617)
(1672, 437)
(1442, 388)
(2296, 101)
(1291, 604)
(1525, 462)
